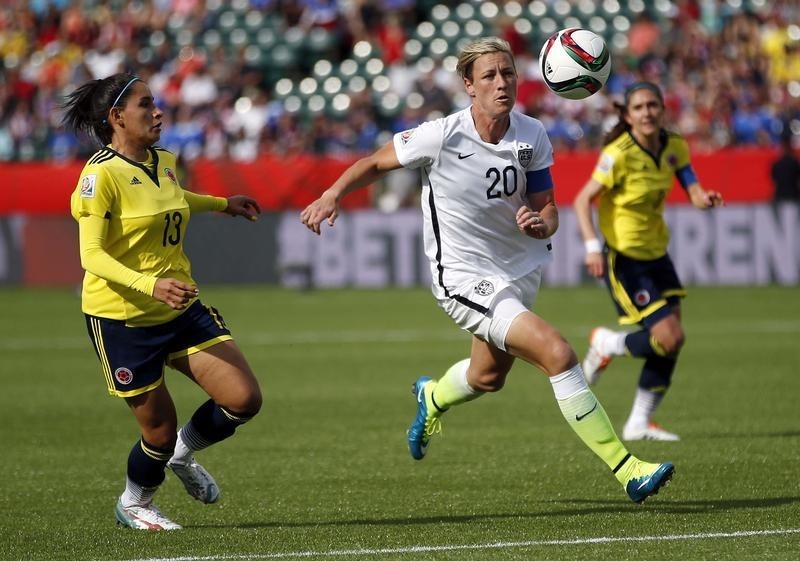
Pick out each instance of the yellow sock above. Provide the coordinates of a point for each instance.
(452, 388)
(588, 418)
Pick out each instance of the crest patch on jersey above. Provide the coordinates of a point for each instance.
(171, 174)
(525, 155)
(642, 298)
(123, 376)
(672, 159)
(87, 186)
(484, 288)
(606, 163)
(405, 136)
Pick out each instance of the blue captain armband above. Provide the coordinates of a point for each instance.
(686, 176)
(539, 180)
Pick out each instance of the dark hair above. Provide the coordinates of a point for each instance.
(622, 125)
(86, 108)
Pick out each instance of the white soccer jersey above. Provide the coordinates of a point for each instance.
(471, 191)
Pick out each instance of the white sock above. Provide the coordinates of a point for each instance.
(136, 495)
(189, 441)
(614, 345)
(644, 405)
(182, 451)
(568, 383)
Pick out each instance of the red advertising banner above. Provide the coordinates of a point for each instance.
(280, 183)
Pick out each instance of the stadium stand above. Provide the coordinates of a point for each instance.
(332, 78)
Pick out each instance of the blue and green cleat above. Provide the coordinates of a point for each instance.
(427, 422)
(648, 481)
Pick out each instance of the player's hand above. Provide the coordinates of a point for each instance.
(532, 223)
(595, 264)
(174, 293)
(325, 207)
(703, 199)
(240, 205)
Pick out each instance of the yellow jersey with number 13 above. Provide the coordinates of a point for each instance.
(133, 219)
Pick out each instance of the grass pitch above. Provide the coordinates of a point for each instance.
(323, 472)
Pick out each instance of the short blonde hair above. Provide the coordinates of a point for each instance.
(483, 46)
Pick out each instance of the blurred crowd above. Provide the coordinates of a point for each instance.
(730, 70)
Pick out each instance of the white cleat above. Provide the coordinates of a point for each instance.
(197, 481)
(595, 361)
(651, 431)
(144, 518)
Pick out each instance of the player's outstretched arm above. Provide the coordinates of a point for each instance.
(364, 172)
(240, 205)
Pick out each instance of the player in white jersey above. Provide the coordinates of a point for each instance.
(489, 212)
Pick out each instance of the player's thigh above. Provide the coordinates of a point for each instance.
(225, 375)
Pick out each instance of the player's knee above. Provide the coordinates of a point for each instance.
(162, 437)
(671, 342)
(249, 403)
(561, 356)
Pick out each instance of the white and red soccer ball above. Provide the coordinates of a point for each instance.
(575, 63)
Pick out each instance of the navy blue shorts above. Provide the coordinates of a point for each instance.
(644, 292)
(133, 358)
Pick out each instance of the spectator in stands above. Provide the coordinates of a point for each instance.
(140, 301)
(785, 173)
(634, 173)
(488, 214)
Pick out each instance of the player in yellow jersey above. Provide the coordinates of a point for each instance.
(140, 300)
(635, 171)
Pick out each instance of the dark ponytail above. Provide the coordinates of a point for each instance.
(86, 109)
(621, 127)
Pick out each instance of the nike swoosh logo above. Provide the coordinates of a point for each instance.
(462, 156)
(580, 417)
(645, 482)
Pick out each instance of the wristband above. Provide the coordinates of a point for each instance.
(593, 246)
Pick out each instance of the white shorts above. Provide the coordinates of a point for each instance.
(486, 306)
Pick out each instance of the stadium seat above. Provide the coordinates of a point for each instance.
(319, 41)
(363, 50)
(284, 88)
(266, 37)
(332, 85)
(439, 14)
(322, 69)
(464, 12)
(307, 87)
(254, 20)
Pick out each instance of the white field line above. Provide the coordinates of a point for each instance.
(472, 547)
(334, 337)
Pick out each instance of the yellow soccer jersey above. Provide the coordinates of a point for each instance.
(139, 213)
(631, 207)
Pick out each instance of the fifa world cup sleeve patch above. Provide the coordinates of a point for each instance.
(606, 163)
(87, 186)
(405, 136)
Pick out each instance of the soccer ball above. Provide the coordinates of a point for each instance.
(575, 63)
